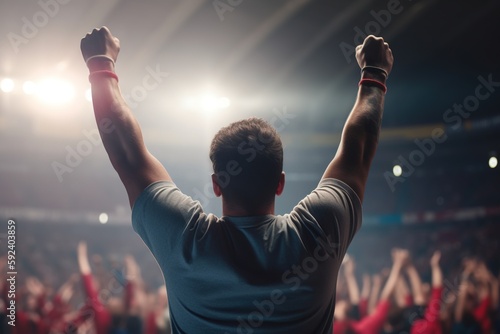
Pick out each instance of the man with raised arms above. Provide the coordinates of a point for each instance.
(249, 271)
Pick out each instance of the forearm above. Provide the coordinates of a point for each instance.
(460, 304)
(352, 288)
(359, 140)
(362, 127)
(437, 276)
(416, 285)
(120, 131)
(402, 293)
(365, 290)
(390, 285)
(374, 296)
(83, 261)
(495, 292)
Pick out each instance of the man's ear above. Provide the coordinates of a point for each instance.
(281, 184)
(216, 186)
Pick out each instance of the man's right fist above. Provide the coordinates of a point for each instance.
(100, 42)
(375, 52)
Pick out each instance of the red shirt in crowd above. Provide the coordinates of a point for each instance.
(430, 323)
(371, 324)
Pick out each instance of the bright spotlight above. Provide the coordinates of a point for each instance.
(212, 102)
(88, 95)
(7, 85)
(103, 218)
(224, 102)
(29, 88)
(493, 162)
(55, 91)
(189, 102)
(209, 102)
(397, 170)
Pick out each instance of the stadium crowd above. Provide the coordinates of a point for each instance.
(445, 286)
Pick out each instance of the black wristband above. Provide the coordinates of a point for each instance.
(375, 69)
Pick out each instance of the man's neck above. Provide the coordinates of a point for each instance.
(231, 210)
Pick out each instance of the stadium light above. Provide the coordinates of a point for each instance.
(206, 102)
(103, 218)
(493, 162)
(208, 99)
(397, 170)
(7, 85)
(224, 102)
(29, 88)
(55, 91)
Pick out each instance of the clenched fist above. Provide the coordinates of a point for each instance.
(100, 42)
(400, 256)
(375, 52)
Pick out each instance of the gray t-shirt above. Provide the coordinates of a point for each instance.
(262, 274)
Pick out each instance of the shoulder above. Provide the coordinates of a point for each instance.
(338, 187)
(332, 197)
(161, 200)
(160, 192)
(331, 212)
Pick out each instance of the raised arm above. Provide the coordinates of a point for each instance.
(374, 293)
(365, 295)
(83, 259)
(120, 131)
(375, 321)
(399, 260)
(100, 314)
(437, 273)
(402, 293)
(366, 288)
(361, 130)
(350, 278)
(495, 292)
(416, 284)
(469, 267)
(134, 294)
(66, 290)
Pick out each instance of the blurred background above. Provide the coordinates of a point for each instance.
(189, 67)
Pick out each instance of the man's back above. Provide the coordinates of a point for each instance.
(261, 274)
(218, 272)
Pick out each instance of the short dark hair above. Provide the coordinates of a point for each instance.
(247, 158)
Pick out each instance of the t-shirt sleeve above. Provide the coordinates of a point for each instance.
(375, 321)
(332, 211)
(162, 213)
(431, 322)
(481, 313)
(363, 307)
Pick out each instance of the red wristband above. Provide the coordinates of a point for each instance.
(375, 83)
(101, 74)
